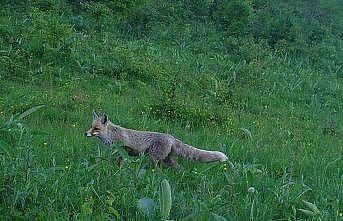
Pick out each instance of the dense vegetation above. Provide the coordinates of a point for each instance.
(260, 80)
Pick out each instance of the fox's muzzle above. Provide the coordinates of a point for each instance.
(89, 134)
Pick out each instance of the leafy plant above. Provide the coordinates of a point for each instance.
(312, 210)
(14, 128)
(165, 199)
(146, 206)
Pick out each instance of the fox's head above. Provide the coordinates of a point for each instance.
(100, 128)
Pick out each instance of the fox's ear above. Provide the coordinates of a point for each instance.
(104, 119)
(95, 115)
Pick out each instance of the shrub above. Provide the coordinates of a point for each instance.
(234, 17)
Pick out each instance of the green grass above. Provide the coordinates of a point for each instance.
(272, 103)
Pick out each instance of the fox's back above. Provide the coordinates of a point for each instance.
(144, 139)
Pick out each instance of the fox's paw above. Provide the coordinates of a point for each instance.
(121, 162)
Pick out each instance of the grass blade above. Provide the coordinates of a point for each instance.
(30, 111)
(217, 217)
(247, 132)
(306, 212)
(313, 207)
(3, 147)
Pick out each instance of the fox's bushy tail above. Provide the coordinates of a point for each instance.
(193, 153)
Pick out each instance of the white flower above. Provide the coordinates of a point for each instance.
(251, 189)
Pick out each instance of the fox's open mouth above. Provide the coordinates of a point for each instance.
(90, 134)
(87, 134)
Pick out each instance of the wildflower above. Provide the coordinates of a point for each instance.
(74, 125)
(251, 189)
(225, 166)
(45, 143)
(66, 167)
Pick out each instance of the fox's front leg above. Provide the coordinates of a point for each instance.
(131, 152)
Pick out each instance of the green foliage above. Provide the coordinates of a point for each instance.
(98, 9)
(258, 80)
(185, 114)
(146, 206)
(57, 6)
(165, 199)
(233, 16)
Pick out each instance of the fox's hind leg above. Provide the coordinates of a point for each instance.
(159, 150)
(169, 161)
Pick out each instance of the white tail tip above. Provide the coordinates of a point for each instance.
(223, 157)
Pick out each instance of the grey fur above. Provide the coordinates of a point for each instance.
(159, 147)
(95, 115)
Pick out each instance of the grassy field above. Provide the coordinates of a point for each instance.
(261, 81)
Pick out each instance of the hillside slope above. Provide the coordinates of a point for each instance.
(258, 80)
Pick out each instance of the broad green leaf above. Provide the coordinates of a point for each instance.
(306, 212)
(146, 205)
(165, 199)
(313, 207)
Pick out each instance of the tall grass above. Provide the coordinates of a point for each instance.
(258, 80)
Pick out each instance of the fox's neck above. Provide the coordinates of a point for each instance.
(117, 133)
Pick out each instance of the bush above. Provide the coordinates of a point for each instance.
(174, 106)
(234, 17)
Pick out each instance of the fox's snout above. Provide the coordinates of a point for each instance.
(91, 133)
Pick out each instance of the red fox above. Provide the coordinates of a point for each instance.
(159, 147)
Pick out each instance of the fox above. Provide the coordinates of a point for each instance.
(160, 147)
